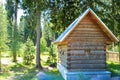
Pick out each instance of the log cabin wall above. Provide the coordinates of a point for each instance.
(87, 47)
(86, 57)
(62, 55)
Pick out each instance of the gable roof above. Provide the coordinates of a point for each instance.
(76, 21)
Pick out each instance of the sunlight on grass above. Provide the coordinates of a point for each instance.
(20, 72)
(44, 57)
(4, 76)
(23, 72)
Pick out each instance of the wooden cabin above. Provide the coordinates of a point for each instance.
(82, 46)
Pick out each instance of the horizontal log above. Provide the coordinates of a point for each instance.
(86, 70)
(88, 30)
(87, 43)
(87, 22)
(86, 35)
(93, 32)
(85, 54)
(88, 18)
(88, 38)
(86, 57)
(77, 51)
(87, 66)
(86, 48)
(84, 28)
(98, 51)
(86, 62)
(87, 26)
(85, 40)
(83, 51)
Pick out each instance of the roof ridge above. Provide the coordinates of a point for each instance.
(76, 21)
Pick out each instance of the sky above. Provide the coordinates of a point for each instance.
(2, 1)
(19, 13)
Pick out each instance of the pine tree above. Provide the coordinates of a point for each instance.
(3, 32)
(29, 52)
(11, 8)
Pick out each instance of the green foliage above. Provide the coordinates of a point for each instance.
(20, 52)
(29, 52)
(43, 45)
(52, 59)
(119, 44)
(63, 12)
(3, 30)
(47, 32)
(12, 8)
(114, 48)
(114, 68)
(34, 8)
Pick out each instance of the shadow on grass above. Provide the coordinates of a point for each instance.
(114, 68)
(23, 72)
(54, 74)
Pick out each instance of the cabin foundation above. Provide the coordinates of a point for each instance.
(83, 75)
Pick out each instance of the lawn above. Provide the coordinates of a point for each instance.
(19, 71)
(23, 72)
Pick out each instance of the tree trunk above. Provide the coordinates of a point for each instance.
(38, 30)
(14, 57)
(119, 48)
(15, 33)
(113, 27)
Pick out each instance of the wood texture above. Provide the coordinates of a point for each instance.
(88, 30)
(85, 48)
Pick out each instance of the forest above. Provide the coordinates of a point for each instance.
(27, 46)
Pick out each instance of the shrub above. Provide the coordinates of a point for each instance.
(28, 52)
(43, 44)
(52, 59)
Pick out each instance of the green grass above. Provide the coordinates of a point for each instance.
(44, 57)
(114, 68)
(19, 71)
(4, 76)
(54, 74)
(23, 72)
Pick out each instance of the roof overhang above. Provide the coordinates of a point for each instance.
(62, 37)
